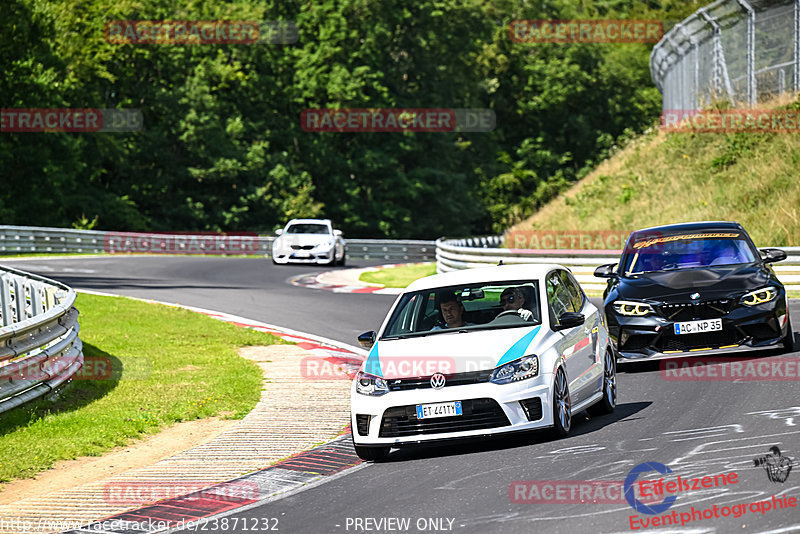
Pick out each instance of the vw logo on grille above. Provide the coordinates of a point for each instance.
(694, 296)
(437, 381)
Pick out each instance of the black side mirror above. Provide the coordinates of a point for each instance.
(569, 320)
(773, 255)
(606, 271)
(367, 339)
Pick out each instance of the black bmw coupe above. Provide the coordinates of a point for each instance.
(694, 287)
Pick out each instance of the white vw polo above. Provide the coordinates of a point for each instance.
(480, 352)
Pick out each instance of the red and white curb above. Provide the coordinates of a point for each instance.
(299, 472)
(318, 281)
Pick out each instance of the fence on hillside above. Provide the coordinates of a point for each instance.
(742, 51)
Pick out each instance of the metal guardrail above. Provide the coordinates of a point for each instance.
(39, 344)
(455, 254)
(391, 250)
(34, 239)
(42, 240)
(737, 50)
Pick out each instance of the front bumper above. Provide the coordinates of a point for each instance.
(489, 409)
(653, 336)
(316, 257)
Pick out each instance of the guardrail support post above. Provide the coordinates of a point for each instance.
(752, 89)
(796, 46)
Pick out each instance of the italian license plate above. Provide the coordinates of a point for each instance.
(698, 327)
(442, 409)
(301, 256)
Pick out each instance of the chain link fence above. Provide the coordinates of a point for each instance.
(740, 51)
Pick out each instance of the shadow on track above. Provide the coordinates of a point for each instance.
(699, 360)
(582, 423)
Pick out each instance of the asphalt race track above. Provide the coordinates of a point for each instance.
(697, 428)
(252, 288)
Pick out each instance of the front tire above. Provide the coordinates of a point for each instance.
(609, 400)
(788, 339)
(562, 405)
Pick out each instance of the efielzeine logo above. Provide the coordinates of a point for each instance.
(775, 464)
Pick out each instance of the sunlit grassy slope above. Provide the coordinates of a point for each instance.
(668, 178)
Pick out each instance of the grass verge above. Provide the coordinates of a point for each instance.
(168, 365)
(668, 178)
(399, 276)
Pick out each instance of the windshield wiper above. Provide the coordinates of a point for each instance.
(407, 336)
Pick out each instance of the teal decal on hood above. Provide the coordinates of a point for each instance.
(517, 350)
(373, 364)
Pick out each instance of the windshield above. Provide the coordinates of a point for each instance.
(308, 228)
(687, 251)
(482, 306)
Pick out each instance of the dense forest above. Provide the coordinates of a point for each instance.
(222, 147)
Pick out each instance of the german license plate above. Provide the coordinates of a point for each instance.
(698, 327)
(442, 409)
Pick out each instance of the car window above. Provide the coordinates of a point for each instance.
(574, 291)
(480, 306)
(650, 253)
(308, 228)
(558, 296)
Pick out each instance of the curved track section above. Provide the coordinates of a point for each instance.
(696, 428)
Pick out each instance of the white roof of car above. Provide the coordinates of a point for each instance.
(304, 221)
(485, 274)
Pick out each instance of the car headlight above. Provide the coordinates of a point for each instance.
(324, 245)
(759, 296)
(372, 385)
(632, 309)
(521, 369)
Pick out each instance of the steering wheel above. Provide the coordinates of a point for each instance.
(507, 312)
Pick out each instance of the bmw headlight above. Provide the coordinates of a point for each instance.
(324, 245)
(632, 309)
(372, 385)
(759, 296)
(521, 369)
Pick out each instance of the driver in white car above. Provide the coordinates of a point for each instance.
(513, 299)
